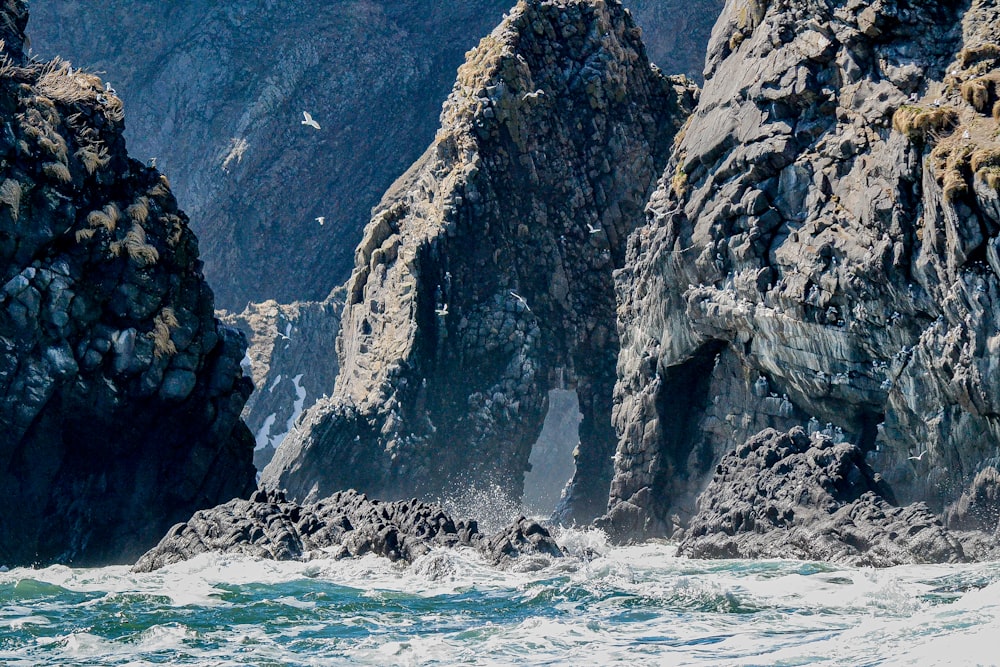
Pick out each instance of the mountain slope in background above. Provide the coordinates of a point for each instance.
(215, 92)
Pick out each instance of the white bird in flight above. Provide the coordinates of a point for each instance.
(521, 299)
(442, 311)
(918, 458)
(309, 120)
(592, 229)
(321, 220)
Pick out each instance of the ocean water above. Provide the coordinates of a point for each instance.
(603, 605)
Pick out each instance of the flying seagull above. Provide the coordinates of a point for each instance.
(321, 220)
(918, 458)
(309, 120)
(442, 311)
(521, 299)
(592, 229)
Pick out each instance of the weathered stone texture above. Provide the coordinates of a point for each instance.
(820, 251)
(344, 525)
(485, 275)
(224, 122)
(786, 495)
(120, 394)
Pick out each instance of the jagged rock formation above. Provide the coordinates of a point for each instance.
(345, 524)
(291, 361)
(784, 495)
(485, 276)
(120, 394)
(224, 122)
(821, 250)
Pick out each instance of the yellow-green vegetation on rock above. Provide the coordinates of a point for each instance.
(918, 123)
(163, 324)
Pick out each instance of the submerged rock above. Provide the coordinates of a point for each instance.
(485, 277)
(820, 252)
(120, 393)
(345, 524)
(786, 495)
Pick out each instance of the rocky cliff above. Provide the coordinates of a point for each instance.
(821, 251)
(485, 276)
(292, 363)
(120, 394)
(216, 90)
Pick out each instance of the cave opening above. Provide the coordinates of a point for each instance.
(551, 462)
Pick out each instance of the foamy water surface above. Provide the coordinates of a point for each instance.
(601, 606)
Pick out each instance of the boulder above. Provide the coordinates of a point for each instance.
(820, 252)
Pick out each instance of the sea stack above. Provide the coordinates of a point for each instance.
(120, 393)
(485, 277)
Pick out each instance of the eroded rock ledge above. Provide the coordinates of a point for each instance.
(345, 524)
(120, 393)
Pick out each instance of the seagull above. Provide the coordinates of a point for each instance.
(592, 229)
(321, 220)
(521, 299)
(966, 135)
(918, 458)
(309, 120)
(108, 88)
(442, 311)
(152, 162)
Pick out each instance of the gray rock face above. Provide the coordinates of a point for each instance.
(292, 362)
(120, 393)
(820, 252)
(345, 524)
(216, 90)
(485, 276)
(784, 495)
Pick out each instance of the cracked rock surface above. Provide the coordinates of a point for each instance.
(485, 277)
(120, 393)
(820, 252)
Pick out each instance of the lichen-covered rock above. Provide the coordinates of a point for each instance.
(292, 361)
(485, 276)
(343, 525)
(786, 495)
(120, 394)
(820, 251)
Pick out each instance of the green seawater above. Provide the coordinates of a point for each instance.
(599, 606)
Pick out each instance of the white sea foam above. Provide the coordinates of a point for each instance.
(634, 605)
